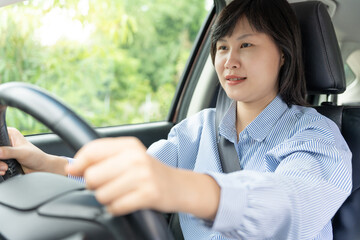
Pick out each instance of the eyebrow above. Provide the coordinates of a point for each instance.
(239, 38)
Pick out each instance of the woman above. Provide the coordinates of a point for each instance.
(296, 169)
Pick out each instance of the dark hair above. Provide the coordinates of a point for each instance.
(276, 19)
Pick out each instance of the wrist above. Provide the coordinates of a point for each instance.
(56, 164)
(198, 194)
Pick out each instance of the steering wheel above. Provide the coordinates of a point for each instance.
(45, 205)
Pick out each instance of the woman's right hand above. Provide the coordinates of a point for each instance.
(31, 158)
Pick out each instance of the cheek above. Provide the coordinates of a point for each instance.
(267, 67)
(218, 64)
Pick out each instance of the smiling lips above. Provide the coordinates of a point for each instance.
(233, 79)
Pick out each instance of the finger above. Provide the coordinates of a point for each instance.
(117, 165)
(127, 204)
(3, 166)
(101, 149)
(10, 152)
(135, 187)
(87, 156)
(102, 172)
(117, 188)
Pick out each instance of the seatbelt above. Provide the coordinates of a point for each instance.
(229, 158)
(227, 153)
(174, 226)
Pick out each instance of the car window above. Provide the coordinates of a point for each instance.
(352, 68)
(113, 62)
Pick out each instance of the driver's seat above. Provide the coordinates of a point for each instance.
(324, 71)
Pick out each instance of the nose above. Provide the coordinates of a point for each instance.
(232, 61)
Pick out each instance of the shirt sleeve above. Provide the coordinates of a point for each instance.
(181, 147)
(78, 179)
(298, 199)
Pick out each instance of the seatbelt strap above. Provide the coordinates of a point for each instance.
(174, 226)
(227, 153)
(228, 156)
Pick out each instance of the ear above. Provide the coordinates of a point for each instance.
(282, 59)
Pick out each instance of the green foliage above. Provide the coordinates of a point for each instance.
(120, 65)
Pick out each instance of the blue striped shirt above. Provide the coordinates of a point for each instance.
(296, 172)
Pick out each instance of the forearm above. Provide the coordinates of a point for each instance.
(55, 164)
(195, 193)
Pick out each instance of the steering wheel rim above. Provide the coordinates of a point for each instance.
(49, 111)
(73, 130)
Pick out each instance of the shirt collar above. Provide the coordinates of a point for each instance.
(260, 127)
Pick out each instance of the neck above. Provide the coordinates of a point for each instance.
(247, 112)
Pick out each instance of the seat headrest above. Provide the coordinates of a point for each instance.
(324, 69)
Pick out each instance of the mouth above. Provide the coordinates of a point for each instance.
(235, 78)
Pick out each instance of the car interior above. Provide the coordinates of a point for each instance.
(330, 42)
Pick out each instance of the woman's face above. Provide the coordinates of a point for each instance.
(247, 64)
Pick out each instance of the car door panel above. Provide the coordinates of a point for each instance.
(147, 133)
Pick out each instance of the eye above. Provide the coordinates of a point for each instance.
(246, 45)
(221, 47)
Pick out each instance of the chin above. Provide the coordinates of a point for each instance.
(236, 95)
